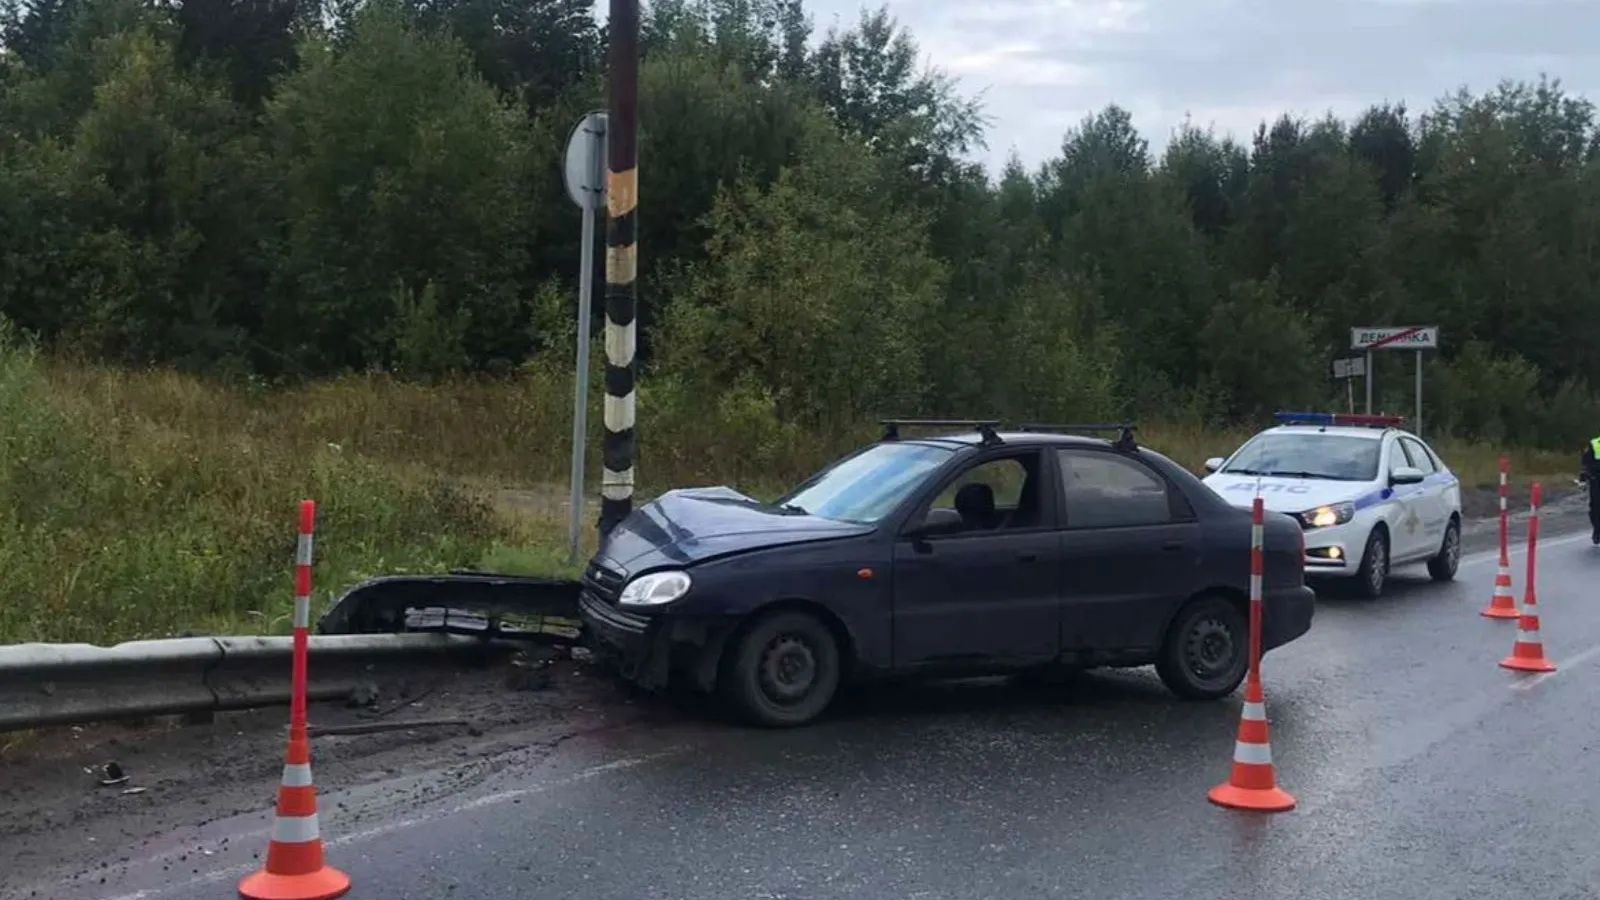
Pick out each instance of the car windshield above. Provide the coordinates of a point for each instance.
(1331, 456)
(869, 485)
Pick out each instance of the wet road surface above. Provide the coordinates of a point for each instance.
(1422, 769)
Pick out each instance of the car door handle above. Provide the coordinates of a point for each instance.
(1027, 556)
(1174, 545)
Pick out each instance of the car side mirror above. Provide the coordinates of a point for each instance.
(1213, 464)
(938, 521)
(1406, 475)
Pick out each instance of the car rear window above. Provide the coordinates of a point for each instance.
(1334, 456)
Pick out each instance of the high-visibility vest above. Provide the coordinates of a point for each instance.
(1594, 444)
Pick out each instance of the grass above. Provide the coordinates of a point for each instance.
(148, 504)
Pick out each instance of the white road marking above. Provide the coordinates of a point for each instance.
(1528, 683)
(239, 871)
(1521, 549)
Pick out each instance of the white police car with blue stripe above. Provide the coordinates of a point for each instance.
(1369, 495)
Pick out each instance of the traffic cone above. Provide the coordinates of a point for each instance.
(1503, 605)
(294, 869)
(1253, 783)
(1527, 654)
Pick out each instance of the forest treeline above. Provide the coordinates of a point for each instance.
(278, 190)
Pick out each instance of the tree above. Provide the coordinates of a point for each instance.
(404, 177)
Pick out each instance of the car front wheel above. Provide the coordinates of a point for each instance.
(1443, 566)
(1207, 649)
(1374, 571)
(784, 670)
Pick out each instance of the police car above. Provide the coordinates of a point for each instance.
(1369, 495)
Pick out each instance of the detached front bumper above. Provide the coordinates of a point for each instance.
(1286, 614)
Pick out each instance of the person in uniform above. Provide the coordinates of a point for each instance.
(1589, 472)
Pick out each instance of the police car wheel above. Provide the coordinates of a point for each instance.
(1374, 571)
(1443, 566)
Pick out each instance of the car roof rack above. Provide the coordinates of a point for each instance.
(1348, 420)
(1124, 441)
(985, 427)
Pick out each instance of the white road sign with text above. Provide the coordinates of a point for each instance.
(1410, 338)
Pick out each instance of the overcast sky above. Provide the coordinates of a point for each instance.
(1043, 65)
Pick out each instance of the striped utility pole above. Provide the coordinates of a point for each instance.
(622, 264)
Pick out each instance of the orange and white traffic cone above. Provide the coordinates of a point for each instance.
(1253, 783)
(295, 869)
(1527, 654)
(1503, 605)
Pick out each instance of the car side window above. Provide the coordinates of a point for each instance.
(1107, 491)
(996, 494)
(1397, 456)
(1420, 458)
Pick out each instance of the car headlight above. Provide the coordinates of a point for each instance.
(655, 589)
(1328, 516)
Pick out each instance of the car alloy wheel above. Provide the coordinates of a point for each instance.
(788, 669)
(1377, 564)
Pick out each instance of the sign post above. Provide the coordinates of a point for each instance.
(1347, 369)
(1417, 338)
(585, 173)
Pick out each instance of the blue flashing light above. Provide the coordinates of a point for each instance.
(1348, 419)
(1304, 418)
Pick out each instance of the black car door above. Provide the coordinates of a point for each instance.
(1130, 552)
(986, 592)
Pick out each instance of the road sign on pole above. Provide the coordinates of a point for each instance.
(1350, 367)
(1413, 337)
(1419, 337)
(586, 184)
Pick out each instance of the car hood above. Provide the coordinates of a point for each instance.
(1287, 495)
(687, 526)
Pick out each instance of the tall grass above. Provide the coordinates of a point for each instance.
(145, 504)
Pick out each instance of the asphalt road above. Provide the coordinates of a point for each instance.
(1423, 770)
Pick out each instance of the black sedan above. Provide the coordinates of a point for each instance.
(978, 553)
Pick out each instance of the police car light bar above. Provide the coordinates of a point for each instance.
(1350, 419)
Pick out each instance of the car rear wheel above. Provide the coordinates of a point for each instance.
(1207, 649)
(1374, 571)
(1443, 566)
(784, 670)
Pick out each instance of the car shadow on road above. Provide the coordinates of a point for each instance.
(1099, 690)
(1403, 584)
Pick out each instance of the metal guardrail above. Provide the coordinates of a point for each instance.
(70, 684)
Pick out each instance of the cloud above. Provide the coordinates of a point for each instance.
(1043, 65)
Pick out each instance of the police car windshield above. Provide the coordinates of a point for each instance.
(1331, 456)
(867, 486)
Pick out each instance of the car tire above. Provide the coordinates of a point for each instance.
(1373, 573)
(783, 671)
(1206, 653)
(1442, 567)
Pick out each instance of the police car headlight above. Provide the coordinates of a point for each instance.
(655, 589)
(1328, 516)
